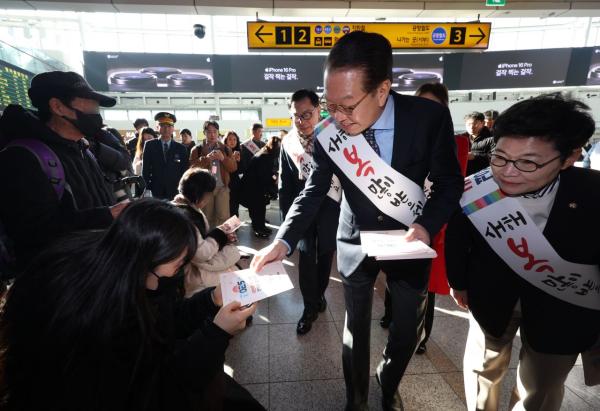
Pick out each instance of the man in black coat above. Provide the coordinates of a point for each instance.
(317, 247)
(36, 208)
(537, 142)
(415, 137)
(481, 142)
(165, 160)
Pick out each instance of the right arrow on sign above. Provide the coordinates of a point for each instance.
(481, 35)
(259, 34)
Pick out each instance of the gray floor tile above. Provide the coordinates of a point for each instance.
(316, 355)
(438, 358)
(572, 402)
(450, 334)
(576, 384)
(260, 392)
(261, 315)
(287, 308)
(445, 305)
(322, 395)
(508, 383)
(456, 382)
(429, 392)
(248, 355)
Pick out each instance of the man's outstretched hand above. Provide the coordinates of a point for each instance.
(275, 251)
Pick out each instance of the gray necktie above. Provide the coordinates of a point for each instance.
(165, 149)
(370, 136)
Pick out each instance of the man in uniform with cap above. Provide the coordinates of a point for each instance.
(52, 184)
(165, 160)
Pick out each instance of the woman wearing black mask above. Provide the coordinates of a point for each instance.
(99, 323)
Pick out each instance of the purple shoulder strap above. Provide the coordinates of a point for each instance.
(49, 162)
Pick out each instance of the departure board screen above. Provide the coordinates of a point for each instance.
(14, 83)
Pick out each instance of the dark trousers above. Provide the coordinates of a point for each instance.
(234, 201)
(314, 270)
(428, 313)
(257, 210)
(409, 299)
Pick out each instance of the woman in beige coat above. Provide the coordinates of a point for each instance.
(214, 254)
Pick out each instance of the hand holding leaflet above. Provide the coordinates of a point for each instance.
(247, 286)
(391, 245)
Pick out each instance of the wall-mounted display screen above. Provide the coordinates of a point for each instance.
(515, 69)
(150, 72)
(410, 71)
(14, 83)
(593, 76)
(272, 73)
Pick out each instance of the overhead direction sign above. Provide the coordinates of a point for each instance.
(303, 35)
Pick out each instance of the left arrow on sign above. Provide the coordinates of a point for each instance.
(258, 34)
(481, 35)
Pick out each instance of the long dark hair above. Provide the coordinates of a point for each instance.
(87, 287)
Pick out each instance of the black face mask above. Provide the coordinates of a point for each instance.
(168, 284)
(88, 124)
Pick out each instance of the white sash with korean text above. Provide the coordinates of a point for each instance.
(512, 234)
(392, 193)
(305, 164)
(251, 146)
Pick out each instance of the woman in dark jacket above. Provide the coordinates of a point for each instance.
(99, 323)
(232, 140)
(259, 181)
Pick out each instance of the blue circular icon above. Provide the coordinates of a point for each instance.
(318, 29)
(327, 29)
(438, 36)
(337, 29)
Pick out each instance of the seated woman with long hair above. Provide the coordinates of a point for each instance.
(99, 322)
(214, 254)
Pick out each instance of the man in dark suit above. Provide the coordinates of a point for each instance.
(250, 147)
(165, 160)
(317, 247)
(537, 142)
(415, 137)
(481, 142)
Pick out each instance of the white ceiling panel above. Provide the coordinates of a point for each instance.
(387, 9)
(67, 5)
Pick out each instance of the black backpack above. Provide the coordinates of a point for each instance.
(52, 167)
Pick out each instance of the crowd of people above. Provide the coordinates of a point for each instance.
(114, 299)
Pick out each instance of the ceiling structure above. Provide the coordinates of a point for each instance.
(449, 9)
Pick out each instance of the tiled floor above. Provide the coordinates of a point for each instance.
(285, 371)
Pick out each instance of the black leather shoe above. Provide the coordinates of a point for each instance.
(385, 321)
(421, 349)
(261, 233)
(322, 304)
(305, 323)
(267, 230)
